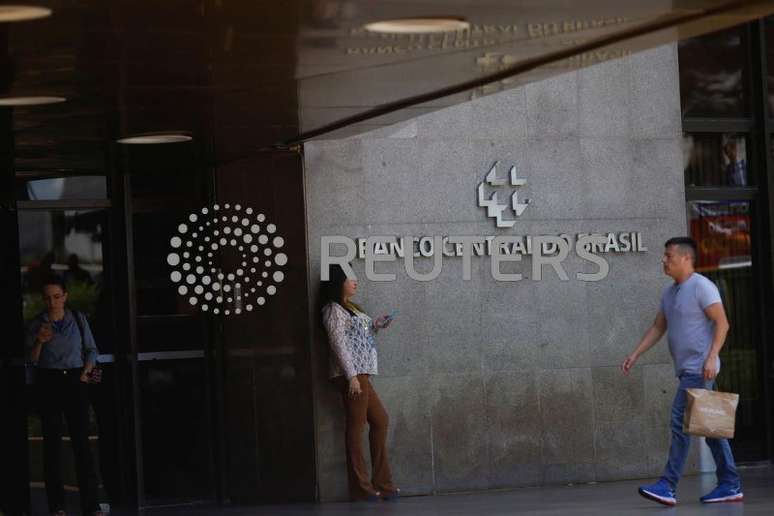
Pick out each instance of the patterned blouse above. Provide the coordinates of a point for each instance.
(352, 341)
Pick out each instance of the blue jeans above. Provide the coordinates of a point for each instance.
(678, 450)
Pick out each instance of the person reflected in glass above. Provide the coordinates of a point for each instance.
(736, 168)
(64, 353)
(75, 273)
(353, 360)
(39, 272)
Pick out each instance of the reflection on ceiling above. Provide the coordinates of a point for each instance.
(237, 76)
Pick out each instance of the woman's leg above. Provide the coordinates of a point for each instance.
(49, 398)
(378, 423)
(356, 408)
(77, 416)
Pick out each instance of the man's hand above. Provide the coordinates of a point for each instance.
(652, 335)
(711, 367)
(354, 387)
(628, 363)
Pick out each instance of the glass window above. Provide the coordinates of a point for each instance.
(68, 243)
(715, 159)
(714, 75)
(58, 188)
(723, 230)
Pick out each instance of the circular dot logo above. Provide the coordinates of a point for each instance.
(215, 229)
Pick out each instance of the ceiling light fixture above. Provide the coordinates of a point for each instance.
(150, 139)
(29, 101)
(17, 13)
(418, 25)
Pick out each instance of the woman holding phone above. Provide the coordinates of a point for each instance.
(61, 346)
(353, 360)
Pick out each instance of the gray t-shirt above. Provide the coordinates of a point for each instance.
(689, 330)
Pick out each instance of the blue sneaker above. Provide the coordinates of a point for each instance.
(659, 492)
(723, 493)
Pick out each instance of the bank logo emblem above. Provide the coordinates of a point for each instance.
(496, 209)
(216, 228)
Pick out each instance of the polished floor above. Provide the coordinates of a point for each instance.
(614, 498)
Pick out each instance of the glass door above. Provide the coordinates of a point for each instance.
(170, 348)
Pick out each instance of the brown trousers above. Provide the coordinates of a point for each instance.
(362, 408)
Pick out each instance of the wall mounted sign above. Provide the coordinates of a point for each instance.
(425, 246)
(496, 209)
(549, 250)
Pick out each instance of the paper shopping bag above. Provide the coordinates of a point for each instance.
(710, 413)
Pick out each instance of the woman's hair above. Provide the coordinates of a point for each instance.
(330, 291)
(54, 279)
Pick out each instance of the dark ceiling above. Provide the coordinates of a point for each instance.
(239, 75)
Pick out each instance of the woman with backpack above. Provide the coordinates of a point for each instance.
(61, 347)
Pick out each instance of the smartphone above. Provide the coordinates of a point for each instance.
(392, 315)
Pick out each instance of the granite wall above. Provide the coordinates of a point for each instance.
(492, 384)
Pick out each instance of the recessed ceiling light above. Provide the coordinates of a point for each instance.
(17, 13)
(30, 101)
(149, 139)
(418, 25)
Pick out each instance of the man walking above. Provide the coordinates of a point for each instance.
(692, 315)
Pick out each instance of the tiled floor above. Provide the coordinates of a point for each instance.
(615, 498)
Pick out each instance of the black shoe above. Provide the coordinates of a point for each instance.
(375, 497)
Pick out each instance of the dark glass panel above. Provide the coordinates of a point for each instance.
(176, 427)
(176, 437)
(156, 293)
(171, 171)
(267, 386)
(714, 75)
(723, 232)
(714, 159)
(770, 62)
(171, 333)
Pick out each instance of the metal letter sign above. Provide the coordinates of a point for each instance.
(493, 207)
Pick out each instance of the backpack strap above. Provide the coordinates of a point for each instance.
(79, 322)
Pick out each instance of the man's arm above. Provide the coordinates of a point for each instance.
(717, 314)
(652, 335)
